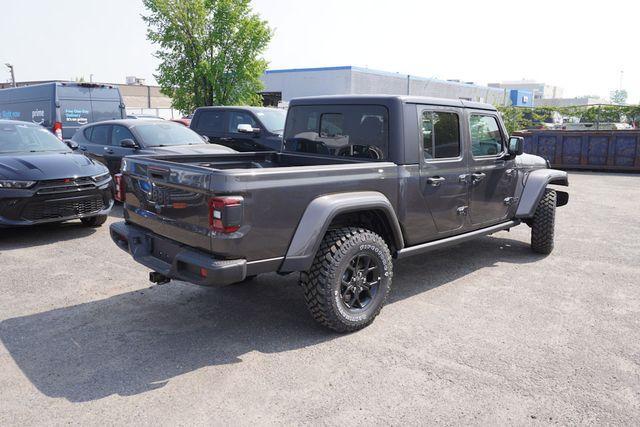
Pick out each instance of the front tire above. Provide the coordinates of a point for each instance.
(349, 280)
(94, 221)
(543, 224)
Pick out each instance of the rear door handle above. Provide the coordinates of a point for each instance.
(226, 139)
(478, 176)
(435, 181)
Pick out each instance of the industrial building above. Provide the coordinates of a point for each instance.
(539, 90)
(571, 102)
(284, 85)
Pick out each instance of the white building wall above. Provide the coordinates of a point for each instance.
(358, 81)
(294, 84)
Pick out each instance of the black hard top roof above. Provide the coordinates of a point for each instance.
(240, 107)
(388, 99)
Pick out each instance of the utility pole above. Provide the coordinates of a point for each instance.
(90, 78)
(13, 76)
(621, 77)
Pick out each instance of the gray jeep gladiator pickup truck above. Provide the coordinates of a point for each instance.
(359, 180)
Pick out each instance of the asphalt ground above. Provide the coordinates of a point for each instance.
(484, 333)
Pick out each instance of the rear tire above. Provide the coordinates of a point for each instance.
(94, 221)
(349, 280)
(543, 224)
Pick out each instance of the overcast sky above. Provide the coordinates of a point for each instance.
(579, 46)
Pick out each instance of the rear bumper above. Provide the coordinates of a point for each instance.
(174, 260)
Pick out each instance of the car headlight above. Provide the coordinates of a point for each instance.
(10, 183)
(102, 177)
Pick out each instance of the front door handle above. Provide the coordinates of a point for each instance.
(108, 150)
(478, 176)
(83, 148)
(226, 139)
(435, 181)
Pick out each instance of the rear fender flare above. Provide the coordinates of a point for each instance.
(320, 213)
(534, 187)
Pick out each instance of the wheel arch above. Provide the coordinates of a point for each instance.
(369, 209)
(536, 182)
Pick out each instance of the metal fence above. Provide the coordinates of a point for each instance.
(593, 150)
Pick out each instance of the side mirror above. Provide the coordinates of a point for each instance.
(247, 128)
(205, 138)
(129, 143)
(516, 145)
(71, 144)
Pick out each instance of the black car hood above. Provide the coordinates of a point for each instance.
(44, 166)
(188, 149)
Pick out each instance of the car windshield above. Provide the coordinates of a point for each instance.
(166, 134)
(19, 138)
(273, 119)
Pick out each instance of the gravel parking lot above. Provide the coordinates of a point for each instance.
(487, 332)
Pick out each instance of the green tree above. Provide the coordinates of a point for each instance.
(209, 50)
(618, 96)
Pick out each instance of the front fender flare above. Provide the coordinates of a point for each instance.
(318, 216)
(534, 187)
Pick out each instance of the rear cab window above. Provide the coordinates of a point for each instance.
(358, 131)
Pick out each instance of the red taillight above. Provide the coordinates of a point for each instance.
(225, 214)
(57, 130)
(121, 189)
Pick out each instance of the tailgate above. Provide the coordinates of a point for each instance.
(170, 199)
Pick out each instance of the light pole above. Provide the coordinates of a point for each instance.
(13, 76)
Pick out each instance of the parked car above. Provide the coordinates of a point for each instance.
(110, 141)
(241, 128)
(144, 117)
(361, 180)
(185, 121)
(43, 180)
(62, 107)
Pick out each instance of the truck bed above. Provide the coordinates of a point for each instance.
(253, 160)
(171, 195)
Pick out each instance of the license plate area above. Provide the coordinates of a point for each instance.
(164, 250)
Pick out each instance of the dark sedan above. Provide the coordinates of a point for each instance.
(110, 141)
(43, 180)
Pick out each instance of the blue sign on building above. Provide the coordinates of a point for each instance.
(521, 98)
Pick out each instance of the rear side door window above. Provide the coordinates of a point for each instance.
(100, 135)
(440, 135)
(486, 137)
(211, 122)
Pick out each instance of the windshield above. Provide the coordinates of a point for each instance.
(165, 134)
(18, 138)
(272, 119)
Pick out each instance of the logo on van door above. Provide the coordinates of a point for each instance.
(76, 115)
(37, 116)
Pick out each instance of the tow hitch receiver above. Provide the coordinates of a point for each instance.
(158, 278)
